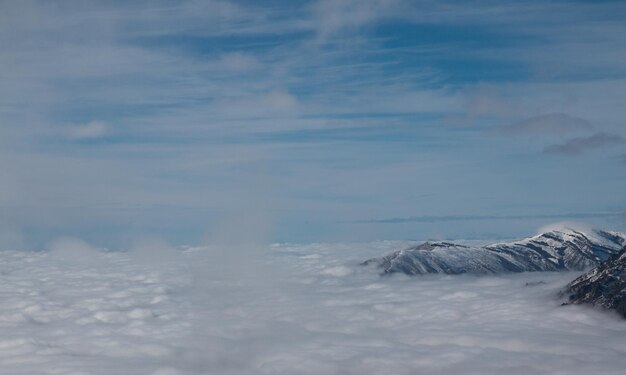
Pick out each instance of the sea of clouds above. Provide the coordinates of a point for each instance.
(285, 309)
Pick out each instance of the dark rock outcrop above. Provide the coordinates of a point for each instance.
(603, 286)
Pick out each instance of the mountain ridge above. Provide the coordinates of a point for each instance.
(603, 286)
(556, 250)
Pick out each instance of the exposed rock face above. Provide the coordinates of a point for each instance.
(551, 251)
(603, 286)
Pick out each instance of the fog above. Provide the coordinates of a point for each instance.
(285, 309)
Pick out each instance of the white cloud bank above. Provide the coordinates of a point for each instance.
(305, 310)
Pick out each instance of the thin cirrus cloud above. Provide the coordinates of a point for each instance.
(90, 130)
(579, 145)
(333, 17)
(235, 62)
(553, 124)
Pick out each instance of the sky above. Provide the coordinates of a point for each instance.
(306, 121)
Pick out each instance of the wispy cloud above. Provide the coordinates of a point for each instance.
(90, 130)
(554, 124)
(579, 145)
(338, 17)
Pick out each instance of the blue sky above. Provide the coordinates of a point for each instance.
(309, 121)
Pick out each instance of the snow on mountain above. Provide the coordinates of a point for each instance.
(556, 250)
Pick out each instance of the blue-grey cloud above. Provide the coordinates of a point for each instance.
(553, 124)
(579, 145)
(88, 131)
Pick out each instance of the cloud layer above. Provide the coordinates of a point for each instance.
(286, 309)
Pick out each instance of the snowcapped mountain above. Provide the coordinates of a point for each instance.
(551, 251)
(603, 286)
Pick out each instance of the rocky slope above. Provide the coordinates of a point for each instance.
(551, 251)
(603, 286)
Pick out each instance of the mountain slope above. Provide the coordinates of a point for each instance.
(603, 286)
(551, 251)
